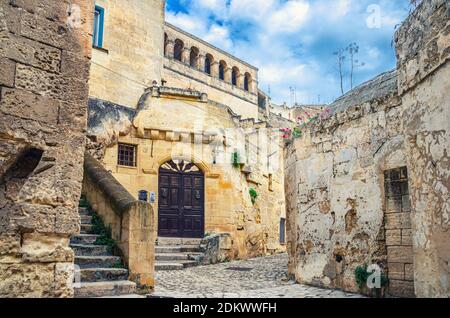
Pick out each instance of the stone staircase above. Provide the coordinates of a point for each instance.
(100, 272)
(177, 253)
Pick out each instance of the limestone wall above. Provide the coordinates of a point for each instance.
(131, 221)
(335, 191)
(45, 47)
(172, 124)
(423, 51)
(343, 208)
(131, 56)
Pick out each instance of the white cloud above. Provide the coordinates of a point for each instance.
(219, 36)
(291, 41)
(289, 17)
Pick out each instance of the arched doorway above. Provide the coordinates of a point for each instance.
(181, 207)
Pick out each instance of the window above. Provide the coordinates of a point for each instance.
(282, 231)
(247, 81)
(193, 58)
(127, 155)
(234, 76)
(99, 19)
(222, 67)
(208, 62)
(178, 50)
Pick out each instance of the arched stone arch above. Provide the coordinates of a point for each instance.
(209, 60)
(248, 82)
(178, 50)
(222, 70)
(203, 166)
(235, 76)
(193, 57)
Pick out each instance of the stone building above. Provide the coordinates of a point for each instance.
(174, 116)
(369, 184)
(44, 68)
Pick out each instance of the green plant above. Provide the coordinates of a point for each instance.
(253, 195)
(362, 275)
(119, 265)
(104, 232)
(83, 203)
(235, 159)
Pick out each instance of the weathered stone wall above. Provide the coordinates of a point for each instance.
(335, 190)
(130, 220)
(131, 57)
(342, 209)
(423, 52)
(45, 48)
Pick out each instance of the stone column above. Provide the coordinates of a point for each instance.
(215, 69)
(185, 55)
(170, 46)
(227, 77)
(201, 62)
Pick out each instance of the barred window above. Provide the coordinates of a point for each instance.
(127, 155)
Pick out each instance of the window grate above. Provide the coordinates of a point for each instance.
(127, 155)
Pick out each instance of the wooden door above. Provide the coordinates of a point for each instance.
(181, 210)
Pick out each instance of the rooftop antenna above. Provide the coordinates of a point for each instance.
(295, 95)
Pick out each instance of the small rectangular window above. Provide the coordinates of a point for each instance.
(282, 231)
(99, 19)
(127, 155)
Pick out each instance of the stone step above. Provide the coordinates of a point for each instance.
(84, 239)
(86, 219)
(102, 289)
(174, 265)
(97, 261)
(102, 274)
(84, 211)
(90, 250)
(169, 241)
(176, 256)
(86, 228)
(177, 249)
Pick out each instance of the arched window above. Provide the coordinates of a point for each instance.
(178, 50)
(208, 62)
(235, 76)
(247, 82)
(193, 59)
(222, 68)
(166, 41)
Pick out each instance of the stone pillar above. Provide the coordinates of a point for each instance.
(227, 77)
(42, 138)
(170, 46)
(201, 62)
(215, 69)
(186, 55)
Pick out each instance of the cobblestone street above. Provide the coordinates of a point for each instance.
(256, 278)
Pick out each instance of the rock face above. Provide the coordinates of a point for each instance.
(369, 185)
(44, 68)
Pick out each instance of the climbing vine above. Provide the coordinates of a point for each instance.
(253, 195)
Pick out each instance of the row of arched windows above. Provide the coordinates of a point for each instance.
(209, 61)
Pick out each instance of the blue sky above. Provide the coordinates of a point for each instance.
(292, 41)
